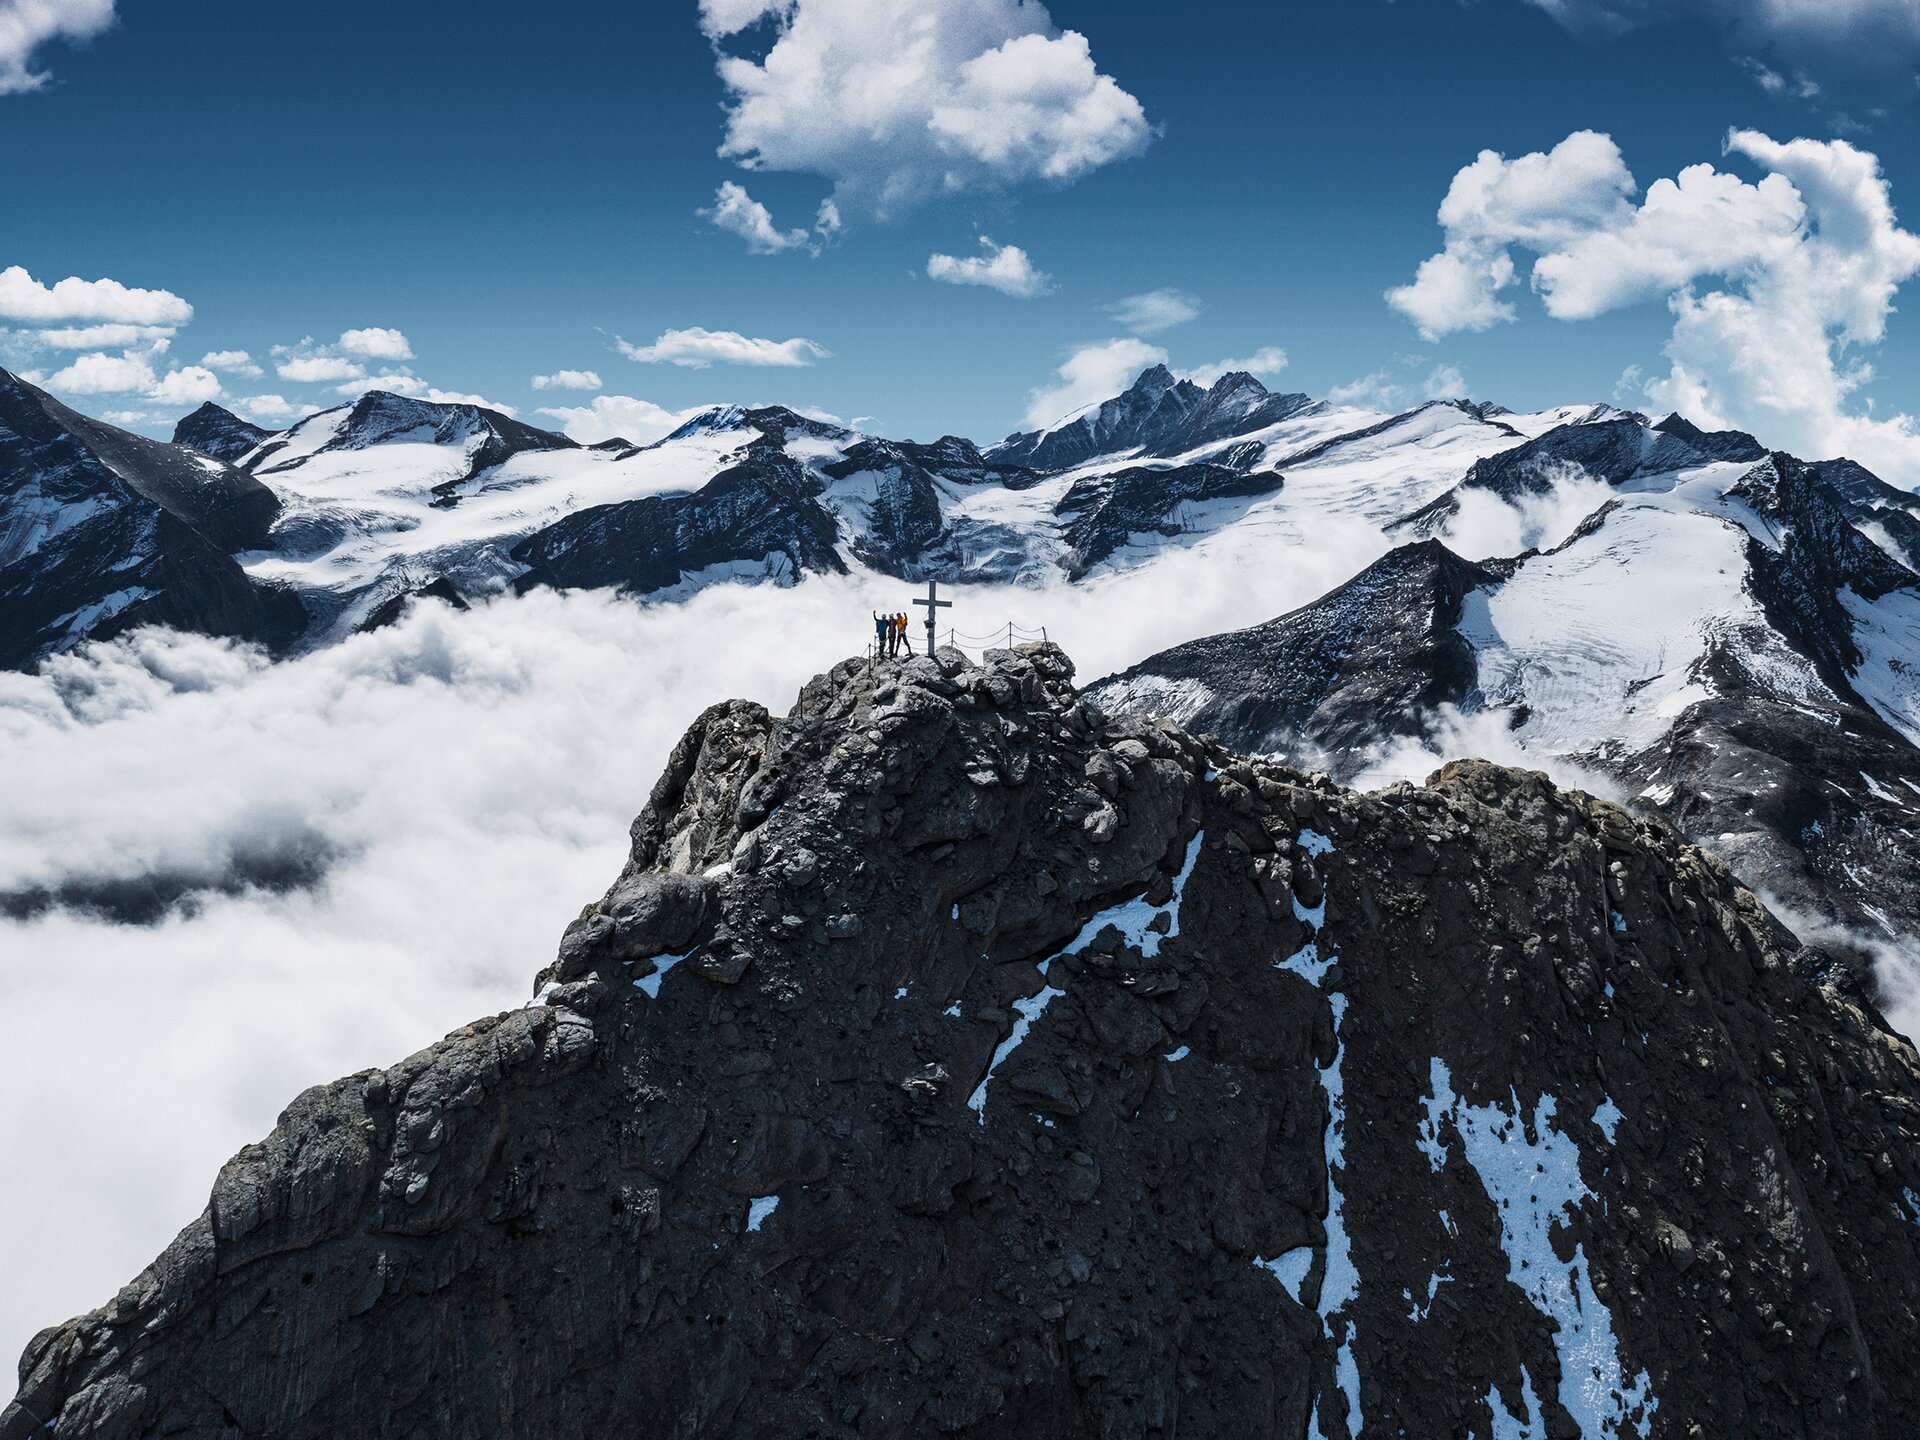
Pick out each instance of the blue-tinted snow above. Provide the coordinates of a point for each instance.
(1306, 961)
(1534, 1185)
(1421, 1309)
(761, 1207)
(651, 983)
(1342, 1283)
(1507, 1425)
(1174, 1055)
(1290, 1269)
(1607, 1118)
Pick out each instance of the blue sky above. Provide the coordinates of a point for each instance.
(514, 190)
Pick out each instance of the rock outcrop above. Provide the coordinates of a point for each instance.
(951, 1059)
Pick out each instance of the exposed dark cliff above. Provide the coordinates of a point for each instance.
(951, 1059)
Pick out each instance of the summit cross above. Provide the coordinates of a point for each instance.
(934, 604)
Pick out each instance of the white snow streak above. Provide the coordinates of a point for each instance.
(1535, 1184)
(1341, 1285)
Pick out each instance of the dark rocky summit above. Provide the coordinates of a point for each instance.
(215, 431)
(951, 1059)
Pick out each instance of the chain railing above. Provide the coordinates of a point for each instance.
(1004, 638)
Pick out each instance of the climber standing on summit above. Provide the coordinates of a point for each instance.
(882, 633)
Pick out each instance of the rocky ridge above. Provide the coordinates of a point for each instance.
(952, 1058)
(102, 530)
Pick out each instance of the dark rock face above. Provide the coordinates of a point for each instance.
(764, 511)
(1157, 416)
(1871, 501)
(1102, 512)
(102, 530)
(951, 1059)
(218, 432)
(1375, 658)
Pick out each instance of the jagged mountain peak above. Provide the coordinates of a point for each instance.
(1032, 1073)
(380, 417)
(1160, 415)
(216, 431)
(714, 419)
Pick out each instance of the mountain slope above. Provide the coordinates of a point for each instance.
(102, 530)
(1373, 659)
(948, 1059)
(1722, 639)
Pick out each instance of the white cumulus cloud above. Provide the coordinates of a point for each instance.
(77, 301)
(740, 214)
(376, 343)
(318, 369)
(1265, 363)
(696, 348)
(231, 362)
(622, 417)
(267, 409)
(102, 374)
(1006, 268)
(103, 336)
(568, 380)
(189, 385)
(1155, 310)
(897, 100)
(26, 25)
(1776, 285)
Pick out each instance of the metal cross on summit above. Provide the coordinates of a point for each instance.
(934, 604)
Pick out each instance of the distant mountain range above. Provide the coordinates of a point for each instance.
(1728, 632)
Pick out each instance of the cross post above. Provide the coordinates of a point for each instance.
(934, 604)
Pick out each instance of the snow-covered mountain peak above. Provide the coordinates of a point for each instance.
(1160, 415)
